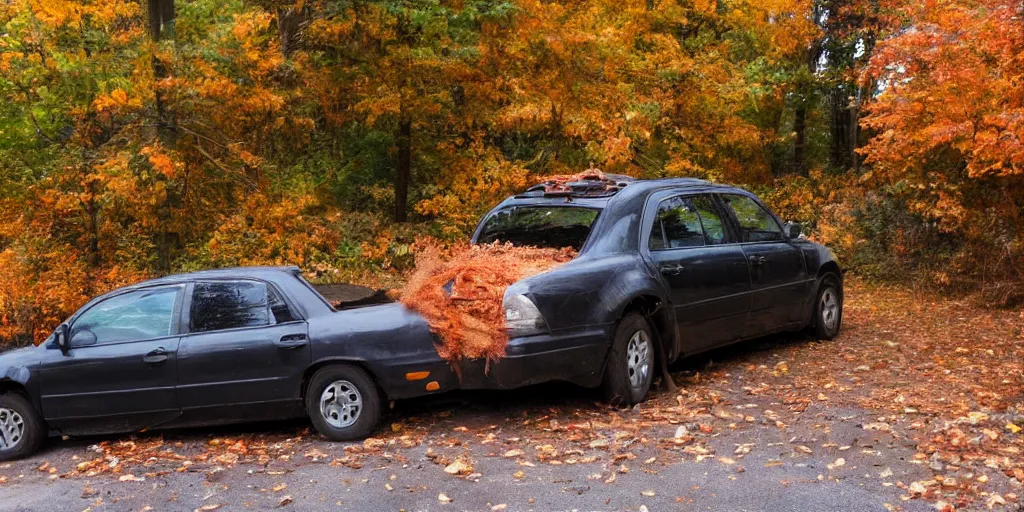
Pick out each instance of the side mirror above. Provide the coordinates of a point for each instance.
(793, 230)
(60, 337)
(83, 338)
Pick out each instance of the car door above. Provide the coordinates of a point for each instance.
(120, 370)
(707, 276)
(777, 268)
(244, 354)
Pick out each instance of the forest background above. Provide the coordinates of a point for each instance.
(140, 139)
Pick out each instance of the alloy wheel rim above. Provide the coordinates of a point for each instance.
(12, 428)
(341, 403)
(829, 309)
(638, 362)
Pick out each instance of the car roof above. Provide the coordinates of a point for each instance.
(264, 273)
(631, 188)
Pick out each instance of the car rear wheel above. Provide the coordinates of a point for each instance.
(343, 403)
(827, 317)
(630, 367)
(22, 430)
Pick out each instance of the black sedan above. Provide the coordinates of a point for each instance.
(666, 268)
(219, 346)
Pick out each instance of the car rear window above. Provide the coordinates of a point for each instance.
(540, 226)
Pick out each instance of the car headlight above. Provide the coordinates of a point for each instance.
(522, 318)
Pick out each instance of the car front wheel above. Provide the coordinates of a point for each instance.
(343, 402)
(22, 431)
(630, 367)
(828, 309)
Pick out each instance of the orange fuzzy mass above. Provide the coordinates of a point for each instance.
(470, 319)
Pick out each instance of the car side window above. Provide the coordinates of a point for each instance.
(714, 229)
(755, 223)
(676, 224)
(229, 305)
(279, 308)
(134, 316)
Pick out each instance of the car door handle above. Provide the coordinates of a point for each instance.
(158, 356)
(292, 341)
(758, 260)
(671, 269)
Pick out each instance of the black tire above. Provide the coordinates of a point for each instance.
(368, 415)
(618, 386)
(827, 309)
(33, 429)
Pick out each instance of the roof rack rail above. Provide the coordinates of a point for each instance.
(589, 183)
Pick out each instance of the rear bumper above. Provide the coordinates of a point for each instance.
(577, 357)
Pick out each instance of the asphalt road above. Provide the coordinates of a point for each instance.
(918, 405)
(822, 459)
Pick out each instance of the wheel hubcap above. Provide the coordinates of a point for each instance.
(12, 428)
(341, 403)
(829, 309)
(638, 362)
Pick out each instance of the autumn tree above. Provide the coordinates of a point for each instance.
(948, 119)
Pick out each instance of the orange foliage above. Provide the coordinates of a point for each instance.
(470, 319)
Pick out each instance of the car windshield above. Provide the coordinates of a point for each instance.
(540, 226)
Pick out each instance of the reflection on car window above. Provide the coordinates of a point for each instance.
(133, 316)
(540, 226)
(229, 305)
(714, 232)
(279, 308)
(686, 221)
(756, 224)
(676, 225)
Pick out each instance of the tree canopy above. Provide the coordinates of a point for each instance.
(138, 139)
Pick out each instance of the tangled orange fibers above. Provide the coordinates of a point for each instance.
(468, 316)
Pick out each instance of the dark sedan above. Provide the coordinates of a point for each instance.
(666, 268)
(212, 347)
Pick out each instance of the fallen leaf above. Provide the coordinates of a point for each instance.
(996, 499)
(443, 498)
(649, 493)
(285, 501)
(458, 468)
(917, 489)
(513, 453)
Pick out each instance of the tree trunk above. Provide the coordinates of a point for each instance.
(854, 129)
(93, 212)
(161, 19)
(290, 23)
(839, 110)
(403, 169)
(805, 88)
(161, 27)
(800, 141)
